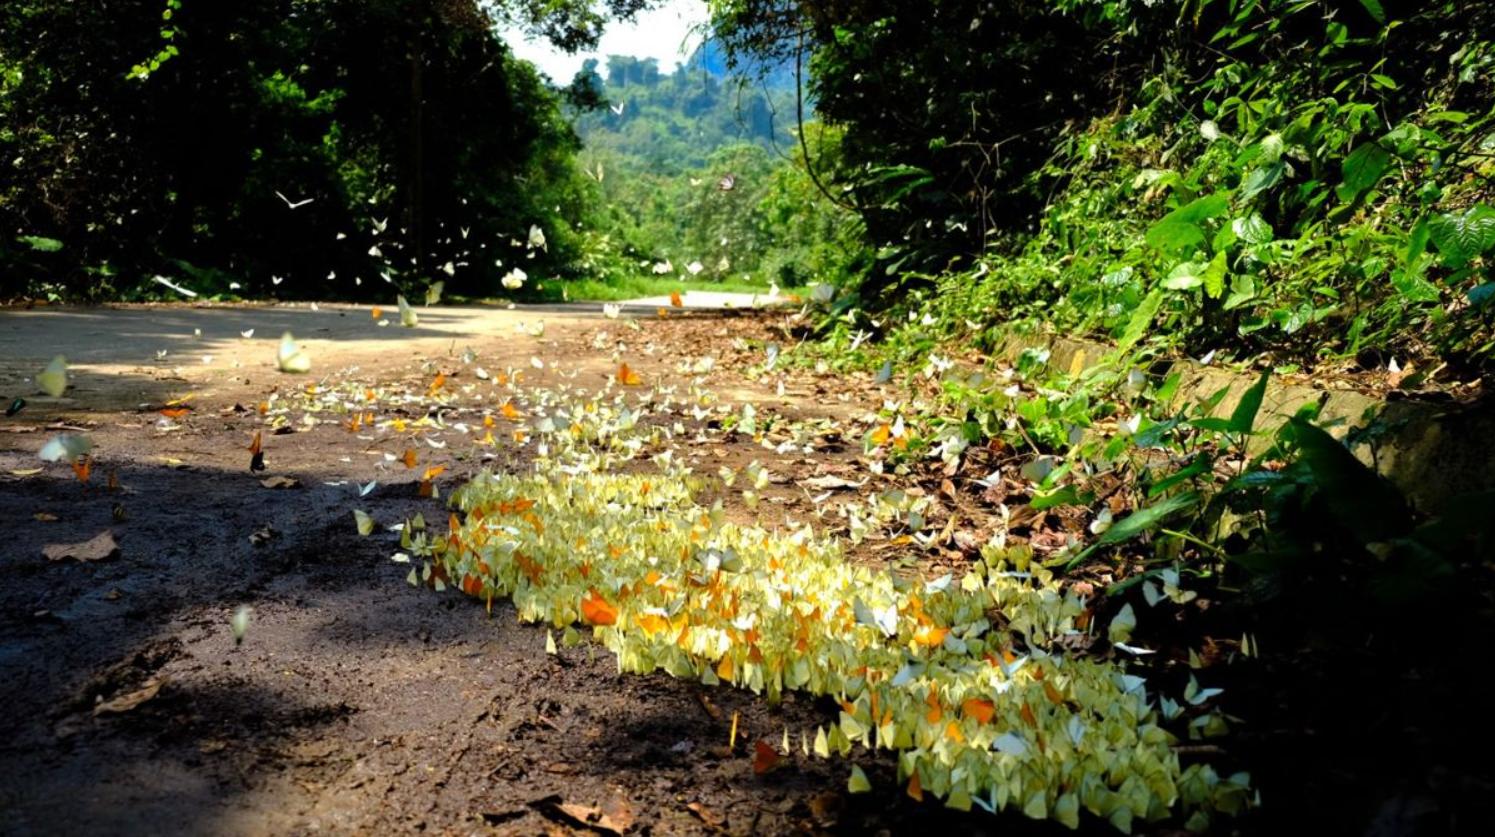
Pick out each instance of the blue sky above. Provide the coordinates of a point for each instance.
(656, 34)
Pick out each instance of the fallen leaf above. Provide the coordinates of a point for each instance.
(593, 818)
(705, 814)
(127, 702)
(281, 482)
(98, 548)
(44, 517)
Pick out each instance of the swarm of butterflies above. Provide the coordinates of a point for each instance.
(980, 714)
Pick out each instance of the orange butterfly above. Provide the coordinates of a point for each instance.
(597, 611)
(628, 377)
(765, 758)
(409, 458)
(83, 467)
(376, 312)
(675, 300)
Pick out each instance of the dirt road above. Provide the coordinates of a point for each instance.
(356, 702)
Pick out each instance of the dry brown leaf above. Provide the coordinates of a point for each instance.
(707, 817)
(280, 482)
(97, 548)
(591, 817)
(127, 702)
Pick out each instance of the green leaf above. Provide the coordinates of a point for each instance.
(1373, 8)
(1140, 522)
(1181, 227)
(1357, 498)
(1145, 520)
(1141, 319)
(1262, 179)
(1214, 276)
(1184, 277)
(1361, 170)
(1460, 236)
(1253, 229)
(41, 244)
(1243, 419)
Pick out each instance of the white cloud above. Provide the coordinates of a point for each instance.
(665, 33)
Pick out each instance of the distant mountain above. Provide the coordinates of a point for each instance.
(670, 122)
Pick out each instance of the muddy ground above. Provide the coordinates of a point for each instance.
(356, 703)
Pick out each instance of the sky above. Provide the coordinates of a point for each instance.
(654, 34)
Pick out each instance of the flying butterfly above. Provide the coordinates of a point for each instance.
(53, 379)
(727, 183)
(290, 358)
(408, 317)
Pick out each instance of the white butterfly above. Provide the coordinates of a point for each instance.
(276, 280)
(247, 333)
(162, 280)
(290, 358)
(695, 268)
(537, 238)
(618, 108)
(465, 231)
(376, 252)
(696, 181)
(611, 310)
(514, 279)
(380, 225)
(727, 183)
(296, 204)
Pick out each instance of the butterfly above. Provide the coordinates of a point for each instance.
(247, 333)
(290, 357)
(433, 293)
(727, 183)
(66, 447)
(536, 238)
(296, 204)
(256, 454)
(276, 280)
(380, 225)
(618, 108)
(408, 317)
(628, 377)
(162, 280)
(53, 379)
